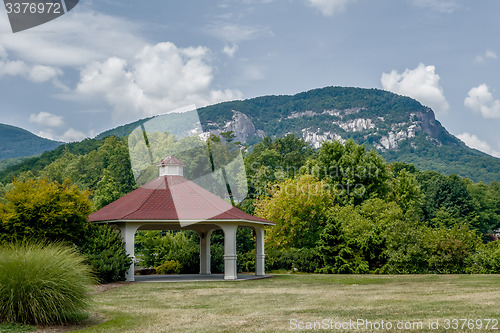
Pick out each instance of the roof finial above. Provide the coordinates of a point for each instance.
(171, 166)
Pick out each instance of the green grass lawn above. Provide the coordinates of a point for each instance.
(269, 305)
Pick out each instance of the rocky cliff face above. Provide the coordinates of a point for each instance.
(335, 124)
(399, 127)
(383, 134)
(383, 120)
(242, 127)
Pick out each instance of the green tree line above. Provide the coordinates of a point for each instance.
(340, 208)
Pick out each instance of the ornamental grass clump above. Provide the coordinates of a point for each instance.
(43, 284)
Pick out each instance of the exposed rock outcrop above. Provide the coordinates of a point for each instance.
(242, 127)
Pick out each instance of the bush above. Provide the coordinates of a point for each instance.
(296, 260)
(42, 284)
(407, 252)
(246, 261)
(306, 260)
(450, 248)
(45, 211)
(104, 251)
(155, 248)
(278, 259)
(217, 257)
(486, 259)
(169, 267)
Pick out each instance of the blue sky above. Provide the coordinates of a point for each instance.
(109, 62)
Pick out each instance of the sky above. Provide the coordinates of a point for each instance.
(110, 62)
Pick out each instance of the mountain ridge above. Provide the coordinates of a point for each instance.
(17, 142)
(398, 127)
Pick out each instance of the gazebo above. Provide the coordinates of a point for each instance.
(172, 202)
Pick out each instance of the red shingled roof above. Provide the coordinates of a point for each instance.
(171, 198)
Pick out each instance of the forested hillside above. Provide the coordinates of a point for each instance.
(400, 128)
(338, 209)
(340, 206)
(17, 142)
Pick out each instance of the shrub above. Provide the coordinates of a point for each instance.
(407, 252)
(155, 248)
(486, 259)
(450, 248)
(42, 284)
(104, 251)
(278, 259)
(217, 257)
(306, 260)
(246, 261)
(169, 267)
(296, 260)
(44, 210)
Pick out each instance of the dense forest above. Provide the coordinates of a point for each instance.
(16, 142)
(338, 209)
(332, 110)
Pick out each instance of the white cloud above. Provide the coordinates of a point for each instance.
(473, 141)
(41, 53)
(55, 130)
(47, 119)
(487, 55)
(490, 54)
(481, 100)
(234, 33)
(34, 73)
(330, 7)
(161, 78)
(421, 83)
(3, 52)
(230, 50)
(13, 68)
(99, 36)
(70, 135)
(442, 6)
(40, 73)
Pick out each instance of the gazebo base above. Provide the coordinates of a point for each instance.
(195, 278)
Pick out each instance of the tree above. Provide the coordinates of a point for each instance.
(450, 248)
(299, 207)
(155, 248)
(103, 249)
(107, 190)
(406, 193)
(486, 201)
(277, 159)
(366, 230)
(485, 260)
(86, 171)
(406, 248)
(45, 210)
(355, 173)
(333, 249)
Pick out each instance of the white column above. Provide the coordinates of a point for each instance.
(230, 267)
(127, 231)
(259, 251)
(205, 257)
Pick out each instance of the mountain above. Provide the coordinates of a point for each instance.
(398, 127)
(17, 142)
